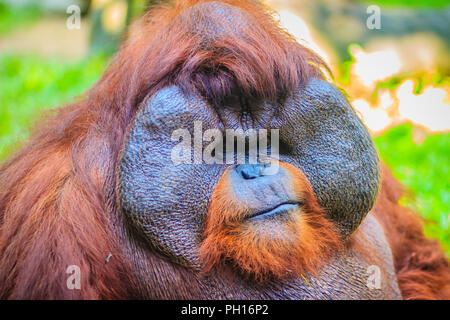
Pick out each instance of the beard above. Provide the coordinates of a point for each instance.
(294, 242)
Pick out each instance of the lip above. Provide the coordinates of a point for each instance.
(279, 209)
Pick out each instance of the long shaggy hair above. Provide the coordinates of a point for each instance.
(57, 199)
(423, 271)
(292, 246)
(57, 194)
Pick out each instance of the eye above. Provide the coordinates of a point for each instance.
(250, 147)
(284, 148)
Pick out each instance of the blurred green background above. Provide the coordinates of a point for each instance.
(44, 65)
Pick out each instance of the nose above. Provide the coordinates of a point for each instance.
(257, 189)
(251, 171)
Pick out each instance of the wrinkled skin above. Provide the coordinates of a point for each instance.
(96, 186)
(167, 204)
(325, 139)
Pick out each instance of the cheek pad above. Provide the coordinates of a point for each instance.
(168, 202)
(334, 149)
(164, 201)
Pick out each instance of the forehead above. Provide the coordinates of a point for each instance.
(216, 21)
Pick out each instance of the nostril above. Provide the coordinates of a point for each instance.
(247, 174)
(249, 171)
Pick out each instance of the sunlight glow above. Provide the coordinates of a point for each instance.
(375, 66)
(427, 109)
(376, 119)
(430, 109)
(297, 27)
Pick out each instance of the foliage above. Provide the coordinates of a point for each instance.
(12, 17)
(425, 169)
(29, 85)
(409, 3)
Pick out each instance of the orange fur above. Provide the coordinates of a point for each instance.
(423, 272)
(299, 245)
(57, 200)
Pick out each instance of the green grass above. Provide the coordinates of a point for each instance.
(14, 17)
(425, 170)
(409, 3)
(29, 85)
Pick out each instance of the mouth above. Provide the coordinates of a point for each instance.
(280, 209)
